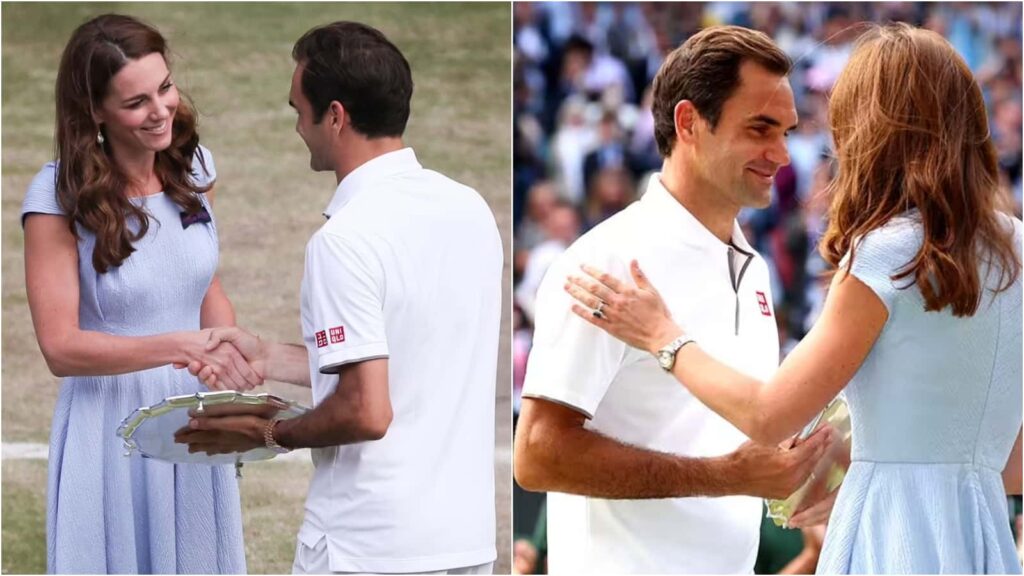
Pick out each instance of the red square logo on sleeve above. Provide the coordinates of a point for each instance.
(337, 334)
(321, 339)
(762, 303)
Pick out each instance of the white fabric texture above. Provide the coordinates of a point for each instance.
(407, 267)
(631, 399)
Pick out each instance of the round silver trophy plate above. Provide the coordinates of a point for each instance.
(150, 430)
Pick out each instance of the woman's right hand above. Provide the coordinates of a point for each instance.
(636, 314)
(219, 363)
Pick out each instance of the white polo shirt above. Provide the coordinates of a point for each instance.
(631, 399)
(408, 268)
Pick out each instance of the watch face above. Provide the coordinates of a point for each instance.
(665, 359)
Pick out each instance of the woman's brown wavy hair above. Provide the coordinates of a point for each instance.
(91, 187)
(910, 131)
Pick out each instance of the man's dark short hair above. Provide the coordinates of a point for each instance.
(706, 71)
(360, 68)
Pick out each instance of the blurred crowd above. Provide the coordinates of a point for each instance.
(584, 134)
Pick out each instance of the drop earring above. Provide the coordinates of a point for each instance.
(99, 137)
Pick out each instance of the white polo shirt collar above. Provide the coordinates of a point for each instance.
(677, 217)
(382, 166)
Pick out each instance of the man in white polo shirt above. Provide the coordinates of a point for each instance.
(401, 304)
(642, 477)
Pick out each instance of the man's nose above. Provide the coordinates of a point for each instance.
(778, 154)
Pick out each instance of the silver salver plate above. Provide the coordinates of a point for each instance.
(150, 429)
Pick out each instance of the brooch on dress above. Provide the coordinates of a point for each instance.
(190, 219)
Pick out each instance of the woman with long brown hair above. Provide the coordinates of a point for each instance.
(921, 327)
(120, 258)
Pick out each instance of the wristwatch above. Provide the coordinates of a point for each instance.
(268, 438)
(667, 355)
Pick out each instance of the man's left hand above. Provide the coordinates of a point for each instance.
(222, 434)
(818, 501)
(815, 515)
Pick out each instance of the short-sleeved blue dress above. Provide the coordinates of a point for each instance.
(935, 409)
(108, 513)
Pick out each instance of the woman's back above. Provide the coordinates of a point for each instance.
(935, 409)
(936, 388)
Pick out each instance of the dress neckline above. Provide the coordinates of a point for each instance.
(153, 195)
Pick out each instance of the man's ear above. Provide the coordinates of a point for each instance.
(686, 118)
(337, 116)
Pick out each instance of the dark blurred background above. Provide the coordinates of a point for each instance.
(584, 146)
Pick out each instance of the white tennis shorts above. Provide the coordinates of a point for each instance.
(315, 561)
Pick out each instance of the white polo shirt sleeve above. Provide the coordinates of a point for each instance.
(346, 282)
(572, 362)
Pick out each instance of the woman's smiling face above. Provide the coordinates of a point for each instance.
(138, 111)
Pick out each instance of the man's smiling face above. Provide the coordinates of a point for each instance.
(740, 156)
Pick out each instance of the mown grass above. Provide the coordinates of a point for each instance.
(234, 60)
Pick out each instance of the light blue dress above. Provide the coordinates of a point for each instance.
(935, 410)
(107, 513)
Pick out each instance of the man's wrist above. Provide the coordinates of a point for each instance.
(286, 363)
(270, 438)
(282, 435)
(276, 361)
(722, 472)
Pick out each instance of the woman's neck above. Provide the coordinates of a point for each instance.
(140, 168)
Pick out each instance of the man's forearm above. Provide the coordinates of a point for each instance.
(288, 363)
(358, 410)
(588, 463)
(332, 423)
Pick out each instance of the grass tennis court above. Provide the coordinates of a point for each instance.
(234, 61)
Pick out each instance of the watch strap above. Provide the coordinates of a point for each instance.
(670, 350)
(268, 437)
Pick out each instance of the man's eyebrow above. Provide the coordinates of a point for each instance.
(143, 96)
(765, 119)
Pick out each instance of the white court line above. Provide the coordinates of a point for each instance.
(24, 451)
(34, 451)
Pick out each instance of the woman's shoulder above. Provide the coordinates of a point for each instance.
(906, 230)
(1012, 225)
(41, 196)
(204, 172)
(896, 240)
(888, 249)
(46, 175)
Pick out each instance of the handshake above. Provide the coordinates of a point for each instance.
(227, 358)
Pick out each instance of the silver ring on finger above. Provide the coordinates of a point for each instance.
(598, 312)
